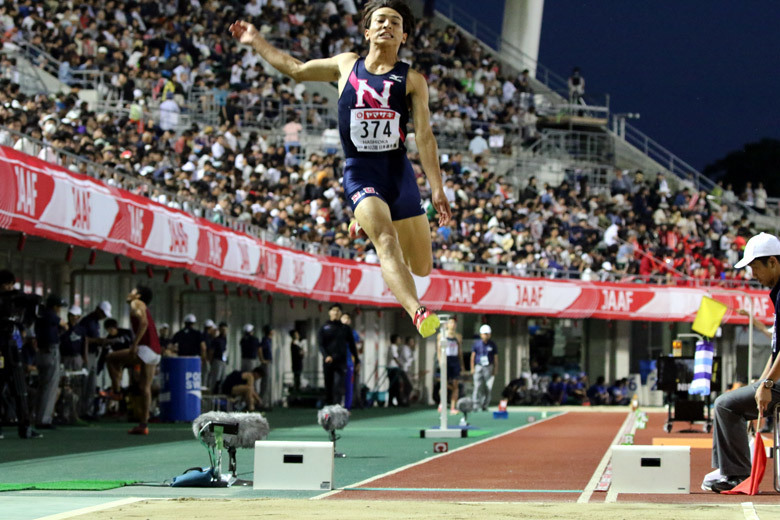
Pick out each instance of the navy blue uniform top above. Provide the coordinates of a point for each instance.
(373, 111)
(123, 339)
(91, 326)
(188, 339)
(249, 346)
(72, 341)
(47, 330)
(218, 347)
(774, 295)
(265, 344)
(484, 350)
(335, 339)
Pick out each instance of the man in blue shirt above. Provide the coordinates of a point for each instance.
(484, 361)
(730, 452)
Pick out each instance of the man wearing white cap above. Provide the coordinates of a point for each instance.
(189, 341)
(730, 452)
(73, 351)
(250, 346)
(484, 360)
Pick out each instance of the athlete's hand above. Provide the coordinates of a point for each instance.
(244, 32)
(442, 206)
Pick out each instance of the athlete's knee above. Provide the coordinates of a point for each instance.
(386, 240)
(421, 266)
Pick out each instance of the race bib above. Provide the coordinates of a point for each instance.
(484, 361)
(374, 129)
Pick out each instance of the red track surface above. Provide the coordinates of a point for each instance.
(560, 454)
(700, 466)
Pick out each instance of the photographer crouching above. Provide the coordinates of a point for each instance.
(17, 312)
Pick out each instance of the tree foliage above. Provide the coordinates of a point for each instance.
(755, 162)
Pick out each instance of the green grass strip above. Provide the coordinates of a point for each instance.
(70, 485)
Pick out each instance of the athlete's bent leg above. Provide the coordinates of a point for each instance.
(374, 217)
(414, 235)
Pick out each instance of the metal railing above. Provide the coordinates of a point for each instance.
(141, 186)
(590, 147)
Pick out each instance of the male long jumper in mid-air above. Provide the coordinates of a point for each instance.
(379, 181)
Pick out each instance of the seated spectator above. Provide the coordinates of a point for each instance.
(597, 393)
(618, 393)
(242, 384)
(556, 391)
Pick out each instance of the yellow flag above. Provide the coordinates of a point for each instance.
(708, 318)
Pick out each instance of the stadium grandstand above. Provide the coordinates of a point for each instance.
(141, 144)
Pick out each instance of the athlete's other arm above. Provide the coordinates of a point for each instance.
(426, 144)
(326, 69)
(138, 309)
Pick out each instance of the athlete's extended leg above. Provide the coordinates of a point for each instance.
(414, 235)
(374, 217)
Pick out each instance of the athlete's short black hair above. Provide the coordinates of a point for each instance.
(397, 5)
(145, 293)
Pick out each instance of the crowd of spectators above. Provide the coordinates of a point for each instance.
(637, 228)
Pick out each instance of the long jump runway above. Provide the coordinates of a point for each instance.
(551, 460)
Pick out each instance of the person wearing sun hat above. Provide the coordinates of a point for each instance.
(730, 451)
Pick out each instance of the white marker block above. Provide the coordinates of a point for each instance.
(651, 469)
(293, 465)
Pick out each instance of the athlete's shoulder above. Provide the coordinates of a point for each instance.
(346, 59)
(415, 81)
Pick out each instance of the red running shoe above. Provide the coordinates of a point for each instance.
(139, 430)
(427, 323)
(355, 231)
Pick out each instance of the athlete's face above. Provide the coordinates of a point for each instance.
(452, 325)
(387, 28)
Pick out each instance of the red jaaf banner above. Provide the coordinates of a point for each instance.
(46, 200)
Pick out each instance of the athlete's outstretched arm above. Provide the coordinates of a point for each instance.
(426, 144)
(326, 69)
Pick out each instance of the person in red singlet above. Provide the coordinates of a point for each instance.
(145, 350)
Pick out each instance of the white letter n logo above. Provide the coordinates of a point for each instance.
(363, 88)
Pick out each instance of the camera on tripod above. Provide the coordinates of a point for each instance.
(18, 309)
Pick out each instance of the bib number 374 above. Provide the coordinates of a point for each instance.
(374, 130)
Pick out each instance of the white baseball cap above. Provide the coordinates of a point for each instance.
(209, 324)
(249, 327)
(190, 318)
(485, 329)
(759, 246)
(75, 310)
(105, 306)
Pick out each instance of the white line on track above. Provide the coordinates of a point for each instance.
(594, 479)
(92, 509)
(437, 456)
(749, 511)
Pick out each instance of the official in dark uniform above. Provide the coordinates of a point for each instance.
(72, 345)
(250, 349)
(336, 342)
(189, 341)
(48, 328)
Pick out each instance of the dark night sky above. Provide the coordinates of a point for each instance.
(704, 75)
